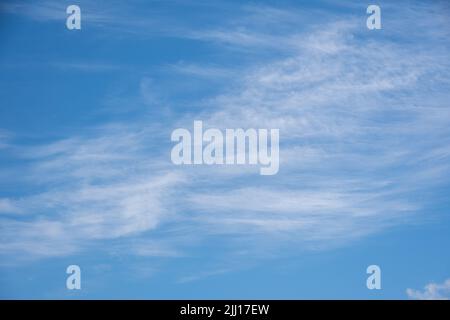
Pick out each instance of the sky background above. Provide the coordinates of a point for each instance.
(85, 170)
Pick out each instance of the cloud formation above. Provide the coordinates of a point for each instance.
(360, 137)
(432, 291)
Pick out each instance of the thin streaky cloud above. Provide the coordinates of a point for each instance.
(348, 108)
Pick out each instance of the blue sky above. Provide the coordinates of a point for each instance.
(85, 171)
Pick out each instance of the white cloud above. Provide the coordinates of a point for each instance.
(359, 136)
(348, 108)
(100, 187)
(8, 206)
(432, 291)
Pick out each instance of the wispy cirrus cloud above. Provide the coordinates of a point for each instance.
(347, 108)
(360, 136)
(92, 188)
